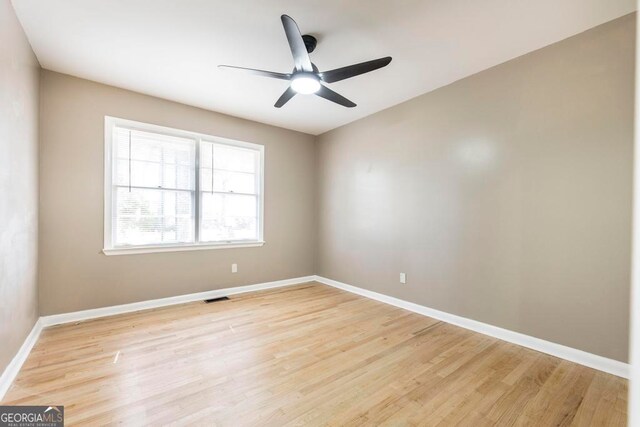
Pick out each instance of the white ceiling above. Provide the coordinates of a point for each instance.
(171, 48)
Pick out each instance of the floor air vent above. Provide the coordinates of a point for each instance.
(210, 300)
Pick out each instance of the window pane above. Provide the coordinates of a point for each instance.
(232, 182)
(147, 217)
(206, 155)
(146, 174)
(156, 161)
(228, 217)
(177, 176)
(229, 158)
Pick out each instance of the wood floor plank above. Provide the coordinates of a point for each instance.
(304, 355)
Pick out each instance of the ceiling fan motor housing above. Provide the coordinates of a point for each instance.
(310, 42)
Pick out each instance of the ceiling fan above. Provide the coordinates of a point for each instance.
(305, 78)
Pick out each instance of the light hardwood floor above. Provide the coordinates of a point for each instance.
(304, 355)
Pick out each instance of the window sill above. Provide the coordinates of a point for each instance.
(179, 248)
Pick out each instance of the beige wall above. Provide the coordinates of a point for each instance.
(18, 185)
(505, 197)
(75, 275)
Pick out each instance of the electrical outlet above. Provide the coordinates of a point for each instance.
(234, 268)
(403, 278)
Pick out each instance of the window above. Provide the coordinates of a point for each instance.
(167, 189)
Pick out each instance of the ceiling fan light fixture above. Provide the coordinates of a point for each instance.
(305, 83)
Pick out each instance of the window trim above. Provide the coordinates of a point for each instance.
(109, 249)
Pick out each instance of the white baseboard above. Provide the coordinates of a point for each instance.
(11, 371)
(77, 316)
(594, 361)
(578, 356)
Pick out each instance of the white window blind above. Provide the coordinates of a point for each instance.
(229, 185)
(171, 188)
(154, 190)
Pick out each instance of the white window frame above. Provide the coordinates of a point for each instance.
(109, 124)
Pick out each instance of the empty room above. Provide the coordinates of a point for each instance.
(279, 213)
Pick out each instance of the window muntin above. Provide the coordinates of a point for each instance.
(170, 188)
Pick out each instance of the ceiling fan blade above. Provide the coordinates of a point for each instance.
(327, 93)
(298, 49)
(285, 97)
(354, 70)
(262, 73)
